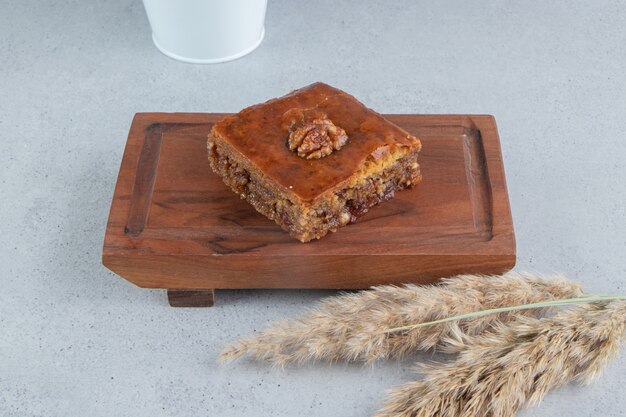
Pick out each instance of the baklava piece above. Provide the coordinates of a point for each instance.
(313, 160)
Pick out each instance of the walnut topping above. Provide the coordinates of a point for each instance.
(317, 139)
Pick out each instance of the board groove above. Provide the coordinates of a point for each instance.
(478, 183)
(144, 180)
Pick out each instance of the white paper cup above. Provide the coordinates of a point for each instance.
(206, 31)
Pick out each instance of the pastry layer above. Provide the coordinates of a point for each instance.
(261, 133)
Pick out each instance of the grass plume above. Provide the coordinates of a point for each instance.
(351, 327)
(513, 364)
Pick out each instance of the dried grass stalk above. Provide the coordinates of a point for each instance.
(352, 326)
(498, 372)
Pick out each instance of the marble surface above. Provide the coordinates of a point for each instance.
(77, 340)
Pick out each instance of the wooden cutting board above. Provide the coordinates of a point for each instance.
(173, 223)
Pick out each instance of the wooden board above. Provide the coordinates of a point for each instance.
(174, 224)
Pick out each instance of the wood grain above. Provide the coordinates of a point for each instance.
(174, 224)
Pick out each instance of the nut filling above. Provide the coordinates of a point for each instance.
(317, 139)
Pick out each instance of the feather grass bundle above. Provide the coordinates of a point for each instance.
(514, 364)
(351, 327)
(509, 352)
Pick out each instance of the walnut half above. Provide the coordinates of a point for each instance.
(317, 139)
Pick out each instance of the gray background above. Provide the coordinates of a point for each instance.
(77, 340)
